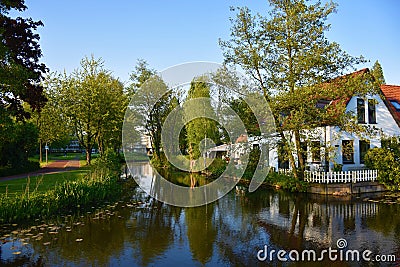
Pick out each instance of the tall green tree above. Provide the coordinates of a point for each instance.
(20, 69)
(246, 115)
(288, 55)
(53, 127)
(152, 105)
(139, 76)
(201, 127)
(94, 104)
(20, 77)
(377, 72)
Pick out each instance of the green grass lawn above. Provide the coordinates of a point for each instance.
(40, 183)
(58, 156)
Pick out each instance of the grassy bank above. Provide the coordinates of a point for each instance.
(40, 183)
(46, 197)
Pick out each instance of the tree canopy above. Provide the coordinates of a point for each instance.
(201, 127)
(139, 76)
(377, 72)
(288, 54)
(21, 91)
(20, 69)
(53, 127)
(94, 104)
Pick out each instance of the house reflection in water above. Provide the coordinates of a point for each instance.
(143, 173)
(300, 222)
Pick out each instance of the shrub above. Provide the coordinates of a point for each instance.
(29, 166)
(286, 182)
(110, 161)
(387, 163)
(217, 167)
(254, 157)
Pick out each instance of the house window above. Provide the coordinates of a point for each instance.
(347, 152)
(322, 103)
(371, 111)
(316, 151)
(360, 110)
(395, 104)
(364, 147)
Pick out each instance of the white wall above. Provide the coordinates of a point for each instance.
(384, 122)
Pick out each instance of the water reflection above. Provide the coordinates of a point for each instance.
(143, 232)
(201, 232)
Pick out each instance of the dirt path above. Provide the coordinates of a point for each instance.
(53, 167)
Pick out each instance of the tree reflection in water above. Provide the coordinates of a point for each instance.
(228, 232)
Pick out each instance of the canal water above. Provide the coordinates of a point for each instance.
(240, 229)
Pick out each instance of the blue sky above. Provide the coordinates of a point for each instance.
(166, 33)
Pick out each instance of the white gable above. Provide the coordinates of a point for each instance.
(384, 119)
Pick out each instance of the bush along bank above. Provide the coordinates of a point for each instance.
(101, 184)
(387, 161)
(273, 179)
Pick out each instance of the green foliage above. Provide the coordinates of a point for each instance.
(254, 157)
(286, 182)
(94, 104)
(20, 70)
(97, 186)
(18, 143)
(217, 167)
(139, 76)
(20, 77)
(290, 58)
(182, 161)
(387, 161)
(377, 72)
(337, 167)
(152, 105)
(53, 128)
(201, 127)
(111, 161)
(246, 115)
(27, 167)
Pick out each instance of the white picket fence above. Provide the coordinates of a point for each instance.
(341, 177)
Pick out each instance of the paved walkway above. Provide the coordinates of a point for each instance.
(53, 167)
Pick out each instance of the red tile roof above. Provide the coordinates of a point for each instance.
(392, 93)
(331, 96)
(340, 79)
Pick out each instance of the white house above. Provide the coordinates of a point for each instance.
(346, 150)
(380, 111)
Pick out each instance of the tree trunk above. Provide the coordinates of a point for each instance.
(301, 167)
(290, 154)
(40, 151)
(88, 156)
